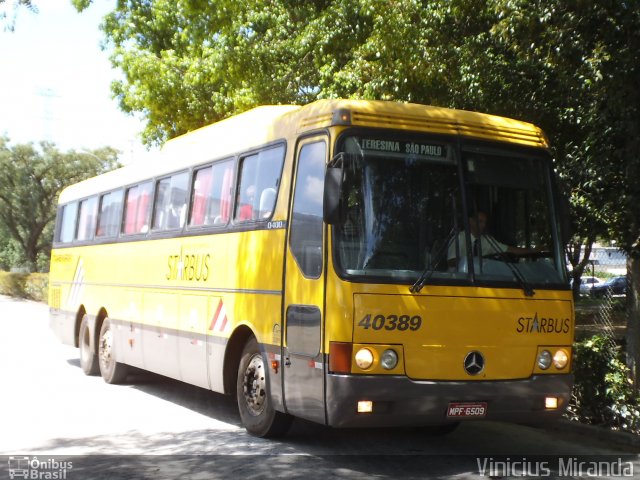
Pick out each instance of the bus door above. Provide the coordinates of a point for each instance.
(302, 358)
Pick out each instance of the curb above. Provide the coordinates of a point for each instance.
(595, 431)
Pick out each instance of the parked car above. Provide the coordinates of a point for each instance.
(587, 283)
(615, 285)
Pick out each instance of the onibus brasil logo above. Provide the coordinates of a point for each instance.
(49, 469)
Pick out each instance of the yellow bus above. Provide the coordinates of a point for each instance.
(353, 263)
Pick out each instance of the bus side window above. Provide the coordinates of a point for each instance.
(212, 194)
(109, 216)
(137, 208)
(170, 202)
(306, 225)
(68, 222)
(226, 192)
(201, 189)
(258, 173)
(87, 219)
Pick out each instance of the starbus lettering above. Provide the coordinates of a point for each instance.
(537, 324)
(191, 267)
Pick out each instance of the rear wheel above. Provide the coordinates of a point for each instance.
(254, 403)
(88, 359)
(111, 371)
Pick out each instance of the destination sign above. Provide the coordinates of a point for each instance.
(403, 147)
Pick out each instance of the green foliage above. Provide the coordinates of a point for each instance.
(33, 286)
(190, 63)
(10, 254)
(13, 284)
(37, 287)
(30, 180)
(603, 393)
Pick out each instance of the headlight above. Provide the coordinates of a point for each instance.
(544, 359)
(389, 359)
(364, 358)
(560, 359)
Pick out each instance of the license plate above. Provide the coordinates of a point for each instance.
(467, 409)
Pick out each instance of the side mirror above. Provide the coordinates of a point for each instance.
(332, 195)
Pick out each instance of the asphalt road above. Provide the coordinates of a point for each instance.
(153, 427)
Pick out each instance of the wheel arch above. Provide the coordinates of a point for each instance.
(232, 355)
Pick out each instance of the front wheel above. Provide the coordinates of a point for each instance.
(254, 403)
(111, 371)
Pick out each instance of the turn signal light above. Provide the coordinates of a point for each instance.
(340, 357)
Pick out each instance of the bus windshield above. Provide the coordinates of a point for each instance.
(401, 203)
(403, 214)
(511, 222)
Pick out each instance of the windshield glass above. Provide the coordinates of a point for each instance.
(402, 214)
(510, 219)
(400, 199)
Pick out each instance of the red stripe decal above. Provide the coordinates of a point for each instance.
(215, 316)
(224, 323)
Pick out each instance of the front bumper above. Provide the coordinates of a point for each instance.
(400, 401)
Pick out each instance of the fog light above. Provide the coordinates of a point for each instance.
(364, 358)
(389, 359)
(365, 406)
(560, 359)
(544, 359)
(551, 403)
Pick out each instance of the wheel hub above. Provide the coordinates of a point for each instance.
(105, 347)
(254, 385)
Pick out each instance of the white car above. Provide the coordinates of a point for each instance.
(587, 283)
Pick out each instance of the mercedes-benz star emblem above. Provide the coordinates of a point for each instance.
(474, 363)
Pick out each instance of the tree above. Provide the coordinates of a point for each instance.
(30, 180)
(190, 63)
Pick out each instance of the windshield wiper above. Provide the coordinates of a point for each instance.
(428, 272)
(528, 290)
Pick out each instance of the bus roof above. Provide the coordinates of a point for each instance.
(269, 123)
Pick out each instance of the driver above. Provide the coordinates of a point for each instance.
(482, 243)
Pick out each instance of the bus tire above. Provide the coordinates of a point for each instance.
(88, 359)
(112, 372)
(254, 403)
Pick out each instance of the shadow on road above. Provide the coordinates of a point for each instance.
(282, 466)
(306, 438)
(205, 402)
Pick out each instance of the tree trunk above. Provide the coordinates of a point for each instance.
(31, 258)
(633, 317)
(578, 264)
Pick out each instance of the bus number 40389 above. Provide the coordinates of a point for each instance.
(391, 322)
